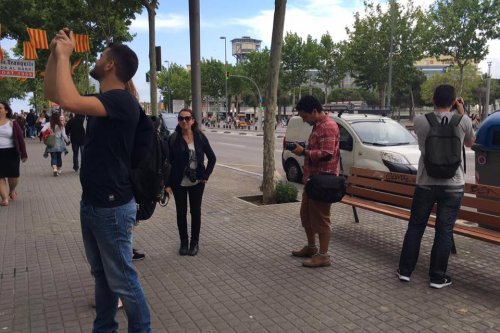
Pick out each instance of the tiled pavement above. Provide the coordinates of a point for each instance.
(243, 279)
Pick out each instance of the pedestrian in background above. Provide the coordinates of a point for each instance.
(31, 122)
(12, 150)
(21, 120)
(107, 208)
(76, 134)
(447, 194)
(188, 176)
(321, 155)
(56, 126)
(40, 123)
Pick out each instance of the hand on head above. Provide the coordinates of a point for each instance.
(459, 105)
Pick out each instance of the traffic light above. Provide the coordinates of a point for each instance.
(227, 75)
(158, 58)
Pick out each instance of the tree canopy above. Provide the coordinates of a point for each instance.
(461, 29)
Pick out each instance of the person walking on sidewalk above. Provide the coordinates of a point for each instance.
(447, 193)
(12, 150)
(56, 126)
(30, 122)
(321, 155)
(76, 134)
(188, 176)
(107, 208)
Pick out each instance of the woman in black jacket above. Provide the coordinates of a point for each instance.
(188, 147)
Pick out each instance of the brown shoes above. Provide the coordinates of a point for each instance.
(317, 260)
(305, 252)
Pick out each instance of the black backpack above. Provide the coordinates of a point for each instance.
(443, 148)
(150, 165)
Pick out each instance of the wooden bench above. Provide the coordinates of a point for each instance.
(390, 193)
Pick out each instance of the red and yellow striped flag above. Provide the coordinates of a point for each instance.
(82, 43)
(75, 65)
(29, 51)
(38, 38)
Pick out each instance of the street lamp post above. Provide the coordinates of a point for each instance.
(487, 99)
(169, 89)
(225, 70)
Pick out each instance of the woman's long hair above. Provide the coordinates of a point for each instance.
(130, 87)
(10, 113)
(54, 120)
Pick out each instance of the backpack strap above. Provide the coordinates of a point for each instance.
(456, 119)
(432, 119)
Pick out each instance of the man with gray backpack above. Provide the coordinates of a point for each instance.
(440, 180)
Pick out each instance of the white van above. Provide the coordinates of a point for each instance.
(366, 141)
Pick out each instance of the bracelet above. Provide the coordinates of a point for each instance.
(304, 152)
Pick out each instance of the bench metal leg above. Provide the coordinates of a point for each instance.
(453, 247)
(355, 212)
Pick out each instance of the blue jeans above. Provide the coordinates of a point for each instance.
(448, 200)
(56, 159)
(31, 131)
(107, 237)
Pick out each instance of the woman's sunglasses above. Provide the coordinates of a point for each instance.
(186, 118)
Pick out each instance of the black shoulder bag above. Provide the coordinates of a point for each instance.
(326, 187)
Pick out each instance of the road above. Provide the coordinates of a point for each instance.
(244, 153)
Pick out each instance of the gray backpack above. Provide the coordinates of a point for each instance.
(443, 148)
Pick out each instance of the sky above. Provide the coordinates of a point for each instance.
(237, 18)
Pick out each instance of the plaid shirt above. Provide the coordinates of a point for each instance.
(323, 148)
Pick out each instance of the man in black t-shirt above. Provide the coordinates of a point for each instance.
(107, 208)
(76, 133)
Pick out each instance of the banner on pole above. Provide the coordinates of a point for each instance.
(17, 68)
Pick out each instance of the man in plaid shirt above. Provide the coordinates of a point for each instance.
(321, 155)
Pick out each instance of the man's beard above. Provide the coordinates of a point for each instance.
(96, 73)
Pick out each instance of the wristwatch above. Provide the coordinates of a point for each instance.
(304, 152)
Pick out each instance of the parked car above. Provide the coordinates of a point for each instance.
(169, 121)
(366, 141)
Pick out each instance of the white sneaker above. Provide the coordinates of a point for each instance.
(402, 278)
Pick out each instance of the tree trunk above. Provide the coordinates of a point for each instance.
(268, 189)
(461, 80)
(151, 6)
(381, 96)
(412, 104)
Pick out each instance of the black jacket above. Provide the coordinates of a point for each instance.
(179, 157)
(74, 129)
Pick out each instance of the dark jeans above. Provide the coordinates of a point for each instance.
(76, 149)
(31, 131)
(195, 194)
(448, 200)
(56, 159)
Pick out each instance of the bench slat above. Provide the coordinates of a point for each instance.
(387, 176)
(388, 198)
(404, 189)
(483, 204)
(481, 218)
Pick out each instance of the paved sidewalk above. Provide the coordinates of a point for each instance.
(243, 279)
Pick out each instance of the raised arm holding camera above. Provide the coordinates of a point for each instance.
(107, 208)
